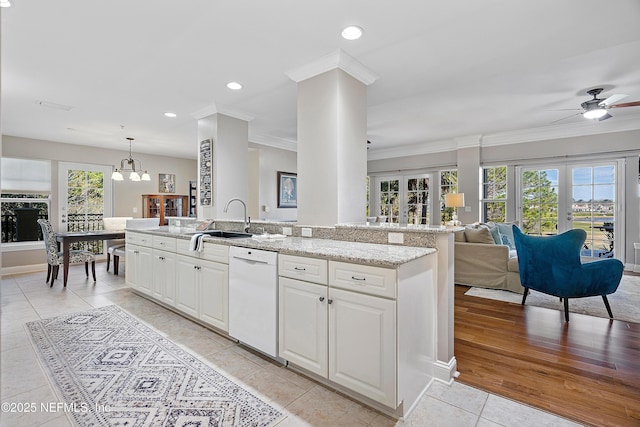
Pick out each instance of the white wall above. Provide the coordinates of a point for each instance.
(272, 160)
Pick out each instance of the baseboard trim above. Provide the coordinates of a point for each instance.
(445, 372)
(23, 269)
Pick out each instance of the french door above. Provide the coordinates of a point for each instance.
(403, 199)
(585, 196)
(84, 199)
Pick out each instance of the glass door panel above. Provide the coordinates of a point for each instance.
(84, 199)
(582, 196)
(593, 207)
(389, 199)
(540, 198)
(417, 198)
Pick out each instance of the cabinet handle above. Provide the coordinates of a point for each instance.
(161, 258)
(330, 301)
(299, 269)
(321, 299)
(358, 278)
(136, 252)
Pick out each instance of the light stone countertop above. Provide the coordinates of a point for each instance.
(337, 250)
(385, 226)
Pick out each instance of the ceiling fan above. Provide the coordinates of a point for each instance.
(596, 108)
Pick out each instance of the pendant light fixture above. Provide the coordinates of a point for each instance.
(134, 173)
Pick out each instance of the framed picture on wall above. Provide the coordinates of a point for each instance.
(166, 183)
(287, 190)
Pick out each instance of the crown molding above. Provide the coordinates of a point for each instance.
(570, 130)
(468, 141)
(281, 143)
(214, 108)
(622, 124)
(338, 59)
(411, 150)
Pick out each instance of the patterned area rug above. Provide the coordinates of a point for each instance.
(112, 369)
(625, 302)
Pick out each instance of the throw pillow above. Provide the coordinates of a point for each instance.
(495, 233)
(479, 235)
(459, 236)
(506, 233)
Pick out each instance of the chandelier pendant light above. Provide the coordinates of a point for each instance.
(134, 173)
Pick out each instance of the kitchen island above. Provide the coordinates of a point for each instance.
(359, 317)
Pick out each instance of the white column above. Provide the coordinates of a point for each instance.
(230, 173)
(332, 135)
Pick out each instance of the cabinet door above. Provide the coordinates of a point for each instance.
(187, 285)
(144, 268)
(303, 324)
(164, 276)
(214, 294)
(131, 272)
(362, 344)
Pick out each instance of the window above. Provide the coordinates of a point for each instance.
(494, 194)
(26, 197)
(448, 184)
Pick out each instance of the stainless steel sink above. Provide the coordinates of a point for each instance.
(227, 234)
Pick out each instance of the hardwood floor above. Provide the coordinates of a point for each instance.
(587, 370)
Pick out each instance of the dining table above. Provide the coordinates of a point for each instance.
(65, 239)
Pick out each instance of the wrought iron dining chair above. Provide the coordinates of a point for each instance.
(551, 264)
(55, 258)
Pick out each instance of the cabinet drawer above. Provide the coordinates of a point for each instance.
(215, 252)
(164, 243)
(210, 251)
(303, 268)
(363, 278)
(138, 238)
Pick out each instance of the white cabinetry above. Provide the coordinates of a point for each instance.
(303, 333)
(343, 322)
(164, 276)
(347, 337)
(195, 283)
(362, 344)
(202, 290)
(139, 269)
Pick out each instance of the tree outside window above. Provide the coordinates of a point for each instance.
(494, 194)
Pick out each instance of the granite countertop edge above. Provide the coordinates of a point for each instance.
(336, 250)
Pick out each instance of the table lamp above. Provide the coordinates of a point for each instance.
(455, 201)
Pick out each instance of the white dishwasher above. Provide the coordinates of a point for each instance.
(253, 298)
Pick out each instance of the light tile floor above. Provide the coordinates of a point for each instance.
(26, 297)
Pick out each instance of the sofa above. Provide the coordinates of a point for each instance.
(485, 256)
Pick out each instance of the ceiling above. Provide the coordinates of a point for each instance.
(447, 70)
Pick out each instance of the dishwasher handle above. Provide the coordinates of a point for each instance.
(251, 260)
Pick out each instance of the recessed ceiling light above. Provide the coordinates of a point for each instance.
(170, 114)
(352, 32)
(234, 85)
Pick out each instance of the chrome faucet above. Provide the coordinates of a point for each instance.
(247, 220)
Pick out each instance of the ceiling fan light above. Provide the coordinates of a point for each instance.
(596, 113)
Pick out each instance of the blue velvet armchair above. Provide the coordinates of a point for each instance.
(551, 264)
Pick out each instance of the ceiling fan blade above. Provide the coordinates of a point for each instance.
(612, 99)
(573, 115)
(605, 117)
(626, 104)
